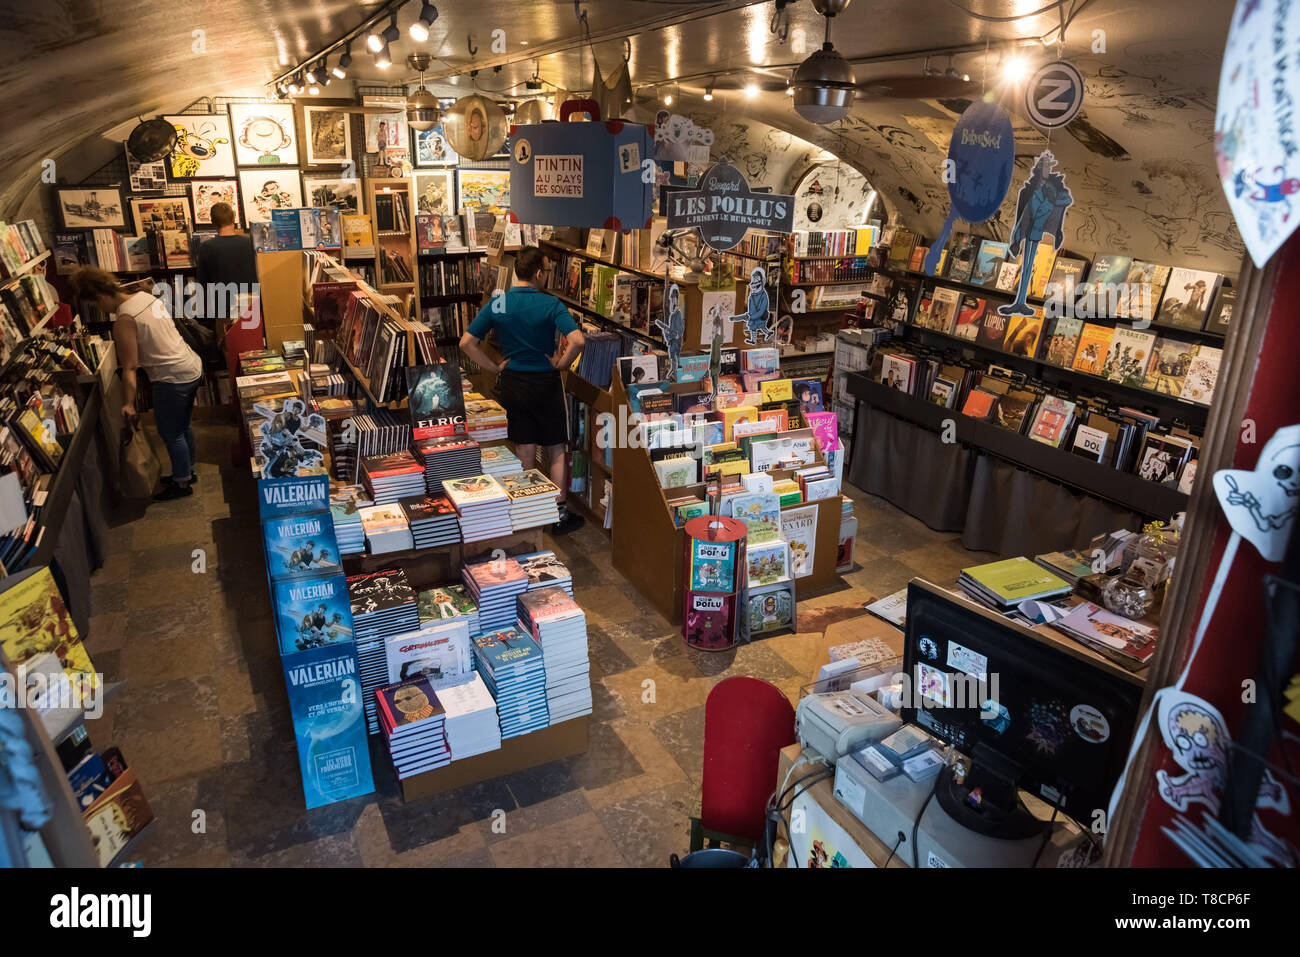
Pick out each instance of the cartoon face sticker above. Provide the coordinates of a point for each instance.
(928, 647)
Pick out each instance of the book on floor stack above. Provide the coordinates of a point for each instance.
(383, 605)
(495, 585)
(386, 529)
(559, 627)
(544, 569)
(473, 726)
(510, 663)
(345, 510)
(390, 477)
(533, 499)
(1004, 585)
(414, 725)
(433, 520)
(482, 505)
(499, 460)
(448, 603)
(446, 458)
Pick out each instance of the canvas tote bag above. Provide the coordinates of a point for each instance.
(141, 471)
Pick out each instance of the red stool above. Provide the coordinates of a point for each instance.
(747, 721)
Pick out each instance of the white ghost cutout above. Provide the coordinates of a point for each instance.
(1261, 505)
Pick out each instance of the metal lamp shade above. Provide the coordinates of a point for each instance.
(422, 111)
(474, 127)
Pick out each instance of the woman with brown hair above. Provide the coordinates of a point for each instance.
(146, 337)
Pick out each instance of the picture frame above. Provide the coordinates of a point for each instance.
(435, 192)
(162, 212)
(482, 190)
(264, 134)
(268, 188)
(90, 207)
(206, 193)
(145, 177)
(204, 147)
(332, 191)
(430, 149)
(327, 132)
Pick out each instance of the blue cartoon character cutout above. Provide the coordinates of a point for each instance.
(673, 327)
(1040, 214)
(758, 313)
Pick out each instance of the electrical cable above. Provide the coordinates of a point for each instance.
(1011, 19)
(808, 781)
(894, 850)
(916, 824)
(1047, 836)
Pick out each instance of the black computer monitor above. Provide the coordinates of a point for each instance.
(1043, 719)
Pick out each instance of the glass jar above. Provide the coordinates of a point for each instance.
(1130, 596)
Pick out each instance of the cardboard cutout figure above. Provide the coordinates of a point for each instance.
(758, 315)
(673, 327)
(1261, 505)
(1040, 214)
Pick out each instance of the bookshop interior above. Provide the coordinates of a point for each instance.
(650, 434)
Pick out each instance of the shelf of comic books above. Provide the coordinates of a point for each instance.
(788, 490)
(1044, 449)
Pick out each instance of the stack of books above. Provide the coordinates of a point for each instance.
(433, 520)
(483, 507)
(1128, 642)
(544, 570)
(495, 585)
(386, 529)
(472, 723)
(383, 605)
(448, 603)
(345, 509)
(438, 652)
(511, 665)
(485, 419)
(1004, 585)
(499, 460)
(1070, 564)
(559, 627)
(390, 477)
(533, 499)
(414, 724)
(445, 458)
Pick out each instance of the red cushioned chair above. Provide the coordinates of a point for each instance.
(747, 721)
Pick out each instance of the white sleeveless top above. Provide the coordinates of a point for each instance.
(163, 353)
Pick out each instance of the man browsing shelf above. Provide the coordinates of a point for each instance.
(527, 323)
(227, 266)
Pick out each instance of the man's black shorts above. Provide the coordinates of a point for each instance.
(536, 409)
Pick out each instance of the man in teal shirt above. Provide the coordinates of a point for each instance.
(537, 338)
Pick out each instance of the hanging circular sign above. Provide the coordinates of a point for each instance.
(1054, 95)
(474, 127)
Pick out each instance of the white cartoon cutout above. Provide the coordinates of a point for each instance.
(1197, 737)
(1261, 505)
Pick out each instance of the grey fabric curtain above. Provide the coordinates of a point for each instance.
(910, 467)
(997, 506)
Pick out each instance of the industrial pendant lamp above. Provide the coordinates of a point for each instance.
(824, 85)
(422, 112)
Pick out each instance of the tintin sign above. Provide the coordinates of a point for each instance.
(723, 208)
(558, 176)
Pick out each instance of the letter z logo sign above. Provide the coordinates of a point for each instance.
(1054, 95)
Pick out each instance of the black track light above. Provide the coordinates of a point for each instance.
(419, 30)
(340, 70)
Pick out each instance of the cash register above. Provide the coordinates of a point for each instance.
(1034, 735)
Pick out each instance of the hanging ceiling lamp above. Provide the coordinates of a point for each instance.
(824, 84)
(422, 112)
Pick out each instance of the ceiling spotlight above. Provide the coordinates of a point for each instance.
(384, 58)
(341, 68)
(377, 41)
(751, 90)
(311, 74)
(789, 91)
(420, 28)
(1015, 70)
(708, 91)
(281, 89)
(295, 85)
(314, 90)
(668, 100)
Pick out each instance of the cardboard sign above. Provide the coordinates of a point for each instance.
(723, 208)
(558, 176)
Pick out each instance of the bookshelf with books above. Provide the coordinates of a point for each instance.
(394, 236)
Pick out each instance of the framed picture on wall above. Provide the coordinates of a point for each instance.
(331, 191)
(145, 177)
(203, 147)
(435, 192)
(432, 148)
(264, 134)
(264, 190)
(170, 213)
(90, 207)
(328, 133)
(206, 193)
(482, 190)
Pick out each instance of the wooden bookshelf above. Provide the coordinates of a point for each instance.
(583, 254)
(399, 243)
(25, 269)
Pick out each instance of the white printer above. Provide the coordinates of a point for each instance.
(838, 722)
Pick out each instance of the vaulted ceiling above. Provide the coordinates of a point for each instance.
(1139, 160)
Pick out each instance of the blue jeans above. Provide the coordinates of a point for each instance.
(172, 405)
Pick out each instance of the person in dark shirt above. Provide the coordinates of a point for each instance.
(227, 266)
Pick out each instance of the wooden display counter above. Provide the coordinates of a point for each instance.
(515, 754)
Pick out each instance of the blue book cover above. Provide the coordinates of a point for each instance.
(713, 566)
(329, 723)
(300, 545)
(506, 648)
(311, 612)
(292, 495)
(991, 256)
(692, 368)
(89, 780)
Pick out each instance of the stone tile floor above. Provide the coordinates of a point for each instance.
(204, 717)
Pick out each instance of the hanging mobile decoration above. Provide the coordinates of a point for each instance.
(981, 156)
(475, 127)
